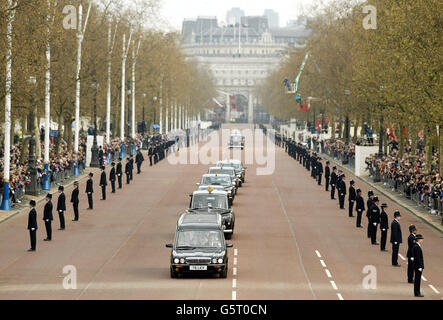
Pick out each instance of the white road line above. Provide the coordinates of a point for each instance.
(328, 273)
(235, 252)
(334, 285)
(235, 261)
(403, 258)
(234, 271)
(323, 263)
(340, 297)
(234, 295)
(318, 253)
(234, 283)
(433, 288)
(423, 277)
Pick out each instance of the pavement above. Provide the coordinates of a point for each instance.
(291, 242)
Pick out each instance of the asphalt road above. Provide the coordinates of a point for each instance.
(291, 242)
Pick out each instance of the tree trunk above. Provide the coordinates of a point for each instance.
(24, 148)
(60, 132)
(356, 124)
(401, 148)
(38, 147)
(428, 149)
(68, 126)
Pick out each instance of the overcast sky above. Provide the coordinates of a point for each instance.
(174, 11)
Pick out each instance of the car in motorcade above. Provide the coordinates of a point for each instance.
(219, 181)
(199, 247)
(212, 201)
(240, 170)
(226, 170)
(236, 141)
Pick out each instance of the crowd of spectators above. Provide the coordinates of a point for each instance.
(340, 150)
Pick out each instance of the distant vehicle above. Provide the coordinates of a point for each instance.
(199, 247)
(236, 141)
(240, 170)
(226, 170)
(212, 201)
(219, 181)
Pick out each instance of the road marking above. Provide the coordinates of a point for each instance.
(323, 263)
(403, 258)
(234, 295)
(234, 283)
(433, 288)
(235, 261)
(340, 297)
(234, 271)
(328, 273)
(318, 253)
(423, 277)
(334, 285)
(235, 252)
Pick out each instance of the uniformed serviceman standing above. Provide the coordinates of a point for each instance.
(128, 171)
(47, 217)
(103, 183)
(327, 175)
(32, 225)
(150, 154)
(374, 218)
(396, 238)
(75, 201)
(131, 162)
(351, 198)
(342, 191)
(333, 182)
(360, 207)
(319, 170)
(119, 173)
(419, 265)
(61, 207)
(411, 243)
(384, 226)
(112, 177)
(90, 190)
(368, 212)
(139, 160)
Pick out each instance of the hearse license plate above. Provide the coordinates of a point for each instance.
(198, 268)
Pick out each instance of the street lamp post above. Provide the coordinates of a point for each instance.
(347, 129)
(32, 187)
(143, 123)
(94, 150)
(377, 177)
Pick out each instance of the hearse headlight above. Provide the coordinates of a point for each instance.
(214, 260)
(176, 260)
(182, 260)
(220, 260)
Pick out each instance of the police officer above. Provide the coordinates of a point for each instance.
(90, 190)
(396, 238)
(150, 154)
(47, 217)
(419, 265)
(128, 171)
(352, 197)
(369, 202)
(360, 207)
(374, 218)
(75, 201)
(342, 191)
(119, 173)
(112, 177)
(61, 207)
(411, 243)
(32, 225)
(131, 162)
(139, 160)
(319, 170)
(334, 178)
(384, 226)
(327, 175)
(103, 183)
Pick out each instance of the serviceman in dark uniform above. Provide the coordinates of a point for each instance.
(75, 201)
(139, 160)
(360, 207)
(374, 218)
(384, 226)
(369, 202)
(61, 207)
(48, 217)
(100, 156)
(128, 171)
(419, 265)
(396, 238)
(342, 191)
(131, 162)
(351, 198)
(334, 178)
(112, 177)
(119, 173)
(150, 154)
(411, 243)
(90, 190)
(32, 225)
(327, 175)
(103, 183)
(319, 170)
